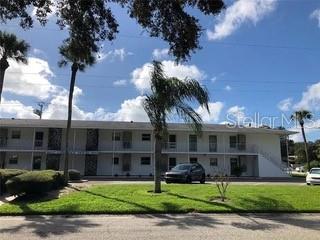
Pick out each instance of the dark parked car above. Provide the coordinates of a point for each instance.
(186, 173)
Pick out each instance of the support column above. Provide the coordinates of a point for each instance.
(33, 142)
(152, 147)
(287, 146)
(113, 146)
(224, 152)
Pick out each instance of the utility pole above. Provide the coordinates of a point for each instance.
(38, 111)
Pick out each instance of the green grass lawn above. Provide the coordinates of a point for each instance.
(135, 198)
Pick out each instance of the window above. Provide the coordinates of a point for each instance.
(116, 136)
(36, 163)
(172, 162)
(172, 141)
(15, 134)
(241, 142)
(146, 137)
(213, 162)
(13, 159)
(193, 143)
(233, 141)
(145, 160)
(38, 139)
(116, 161)
(212, 143)
(193, 160)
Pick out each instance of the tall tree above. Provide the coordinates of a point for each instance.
(89, 22)
(79, 58)
(11, 48)
(171, 95)
(300, 117)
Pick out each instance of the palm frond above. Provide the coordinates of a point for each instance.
(190, 116)
(12, 47)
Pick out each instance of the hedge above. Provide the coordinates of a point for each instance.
(6, 174)
(35, 182)
(74, 175)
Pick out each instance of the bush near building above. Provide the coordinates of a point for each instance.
(35, 182)
(6, 174)
(74, 175)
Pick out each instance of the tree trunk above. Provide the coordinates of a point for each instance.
(3, 67)
(305, 147)
(157, 161)
(74, 70)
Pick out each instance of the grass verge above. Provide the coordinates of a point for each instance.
(176, 198)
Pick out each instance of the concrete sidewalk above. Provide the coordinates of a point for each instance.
(163, 226)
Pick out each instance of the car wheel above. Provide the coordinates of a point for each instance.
(308, 183)
(168, 182)
(203, 180)
(188, 179)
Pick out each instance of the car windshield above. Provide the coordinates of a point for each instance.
(182, 167)
(315, 171)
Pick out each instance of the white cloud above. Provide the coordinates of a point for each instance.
(240, 12)
(228, 88)
(285, 104)
(112, 55)
(160, 53)
(237, 113)
(14, 108)
(316, 15)
(215, 110)
(121, 82)
(141, 76)
(131, 110)
(29, 80)
(310, 99)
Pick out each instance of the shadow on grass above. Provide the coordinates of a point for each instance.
(45, 226)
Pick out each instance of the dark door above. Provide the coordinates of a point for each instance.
(53, 161)
(234, 163)
(91, 165)
(126, 162)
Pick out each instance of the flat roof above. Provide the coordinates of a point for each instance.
(45, 123)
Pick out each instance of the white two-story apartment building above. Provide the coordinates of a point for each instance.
(99, 148)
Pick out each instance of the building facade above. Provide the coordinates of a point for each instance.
(127, 148)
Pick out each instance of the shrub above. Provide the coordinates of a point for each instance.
(35, 182)
(313, 164)
(7, 174)
(74, 174)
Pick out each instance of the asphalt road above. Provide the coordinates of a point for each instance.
(186, 227)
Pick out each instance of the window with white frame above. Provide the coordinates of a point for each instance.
(213, 162)
(145, 160)
(146, 137)
(16, 134)
(13, 159)
(116, 161)
(116, 136)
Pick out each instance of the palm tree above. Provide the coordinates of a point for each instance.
(300, 116)
(79, 57)
(169, 95)
(11, 48)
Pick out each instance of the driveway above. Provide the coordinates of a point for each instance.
(141, 227)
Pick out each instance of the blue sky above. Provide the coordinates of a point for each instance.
(259, 56)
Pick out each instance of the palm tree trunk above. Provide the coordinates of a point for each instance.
(305, 147)
(74, 70)
(157, 161)
(3, 67)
